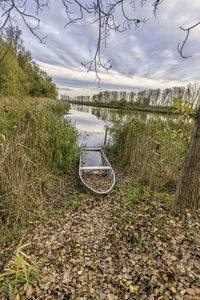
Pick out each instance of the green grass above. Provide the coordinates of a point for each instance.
(60, 107)
(73, 202)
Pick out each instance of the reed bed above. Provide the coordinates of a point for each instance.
(36, 146)
(153, 150)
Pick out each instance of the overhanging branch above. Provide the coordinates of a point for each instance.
(180, 48)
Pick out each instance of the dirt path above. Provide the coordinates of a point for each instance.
(85, 254)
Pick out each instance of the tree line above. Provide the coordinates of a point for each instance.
(19, 74)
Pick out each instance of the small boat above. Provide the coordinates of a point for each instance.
(95, 171)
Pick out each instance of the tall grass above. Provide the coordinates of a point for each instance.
(35, 146)
(153, 151)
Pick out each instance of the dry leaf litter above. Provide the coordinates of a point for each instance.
(101, 250)
(98, 181)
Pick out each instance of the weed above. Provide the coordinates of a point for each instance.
(49, 213)
(141, 243)
(18, 270)
(73, 202)
(118, 187)
(69, 204)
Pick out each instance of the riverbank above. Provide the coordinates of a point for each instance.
(36, 147)
(132, 107)
(99, 248)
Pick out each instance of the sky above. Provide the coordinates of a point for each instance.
(145, 58)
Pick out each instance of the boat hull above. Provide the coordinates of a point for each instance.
(98, 170)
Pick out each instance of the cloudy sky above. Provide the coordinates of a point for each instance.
(141, 59)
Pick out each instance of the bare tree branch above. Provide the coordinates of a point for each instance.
(109, 15)
(188, 30)
(5, 52)
(105, 13)
(155, 5)
(19, 7)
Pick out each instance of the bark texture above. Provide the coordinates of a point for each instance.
(188, 188)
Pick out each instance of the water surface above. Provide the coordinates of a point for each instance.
(91, 121)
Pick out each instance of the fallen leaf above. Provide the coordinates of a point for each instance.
(183, 292)
(111, 297)
(29, 291)
(121, 282)
(197, 265)
(80, 272)
(52, 279)
(132, 288)
(173, 257)
(145, 258)
(173, 289)
(182, 269)
(190, 292)
(185, 259)
(165, 277)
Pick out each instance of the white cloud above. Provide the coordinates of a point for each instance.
(142, 58)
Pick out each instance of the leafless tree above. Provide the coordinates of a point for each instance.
(109, 15)
(11, 8)
(103, 12)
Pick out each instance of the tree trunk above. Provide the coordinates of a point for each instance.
(188, 188)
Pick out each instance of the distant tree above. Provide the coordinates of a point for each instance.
(122, 102)
(12, 36)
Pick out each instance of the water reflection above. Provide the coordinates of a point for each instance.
(90, 126)
(91, 121)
